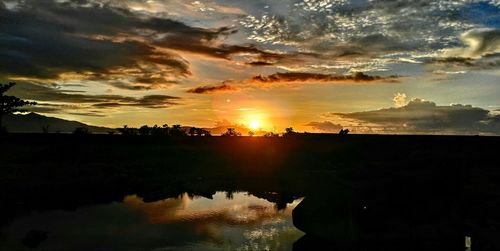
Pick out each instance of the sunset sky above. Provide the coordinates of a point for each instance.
(385, 66)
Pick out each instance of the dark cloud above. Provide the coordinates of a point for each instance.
(197, 45)
(488, 61)
(104, 42)
(88, 114)
(422, 116)
(51, 96)
(293, 77)
(312, 77)
(260, 63)
(460, 61)
(325, 126)
(43, 39)
(380, 43)
(211, 89)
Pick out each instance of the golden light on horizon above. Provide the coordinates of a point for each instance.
(254, 124)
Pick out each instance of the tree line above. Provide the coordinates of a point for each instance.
(12, 104)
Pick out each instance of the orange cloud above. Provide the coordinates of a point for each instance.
(316, 77)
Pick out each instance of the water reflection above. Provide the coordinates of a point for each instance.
(237, 222)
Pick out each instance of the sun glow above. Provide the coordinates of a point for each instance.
(254, 124)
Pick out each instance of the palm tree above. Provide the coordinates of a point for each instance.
(10, 104)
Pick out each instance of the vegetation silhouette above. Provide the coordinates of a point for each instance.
(344, 131)
(200, 132)
(231, 132)
(82, 131)
(289, 132)
(164, 130)
(10, 104)
(144, 130)
(271, 135)
(177, 130)
(127, 131)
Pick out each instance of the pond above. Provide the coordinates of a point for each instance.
(226, 221)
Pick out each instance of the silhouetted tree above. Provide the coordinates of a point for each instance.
(231, 132)
(343, 131)
(203, 132)
(165, 129)
(251, 134)
(270, 135)
(144, 130)
(176, 130)
(199, 131)
(159, 131)
(10, 104)
(289, 132)
(127, 130)
(192, 131)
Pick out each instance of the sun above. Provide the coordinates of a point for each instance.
(254, 124)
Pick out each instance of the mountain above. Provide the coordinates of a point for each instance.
(33, 123)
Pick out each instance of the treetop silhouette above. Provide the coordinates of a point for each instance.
(10, 104)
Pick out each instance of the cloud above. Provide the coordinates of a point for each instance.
(325, 126)
(105, 42)
(481, 51)
(56, 99)
(291, 77)
(211, 89)
(460, 65)
(378, 32)
(399, 99)
(45, 40)
(260, 63)
(479, 42)
(148, 101)
(316, 77)
(421, 116)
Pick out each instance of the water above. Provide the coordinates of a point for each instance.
(228, 221)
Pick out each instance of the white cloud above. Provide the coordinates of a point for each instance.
(399, 99)
(479, 42)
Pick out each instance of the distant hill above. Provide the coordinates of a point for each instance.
(33, 123)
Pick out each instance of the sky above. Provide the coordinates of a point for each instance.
(385, 66)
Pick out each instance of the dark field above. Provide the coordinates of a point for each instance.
(361, 192)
